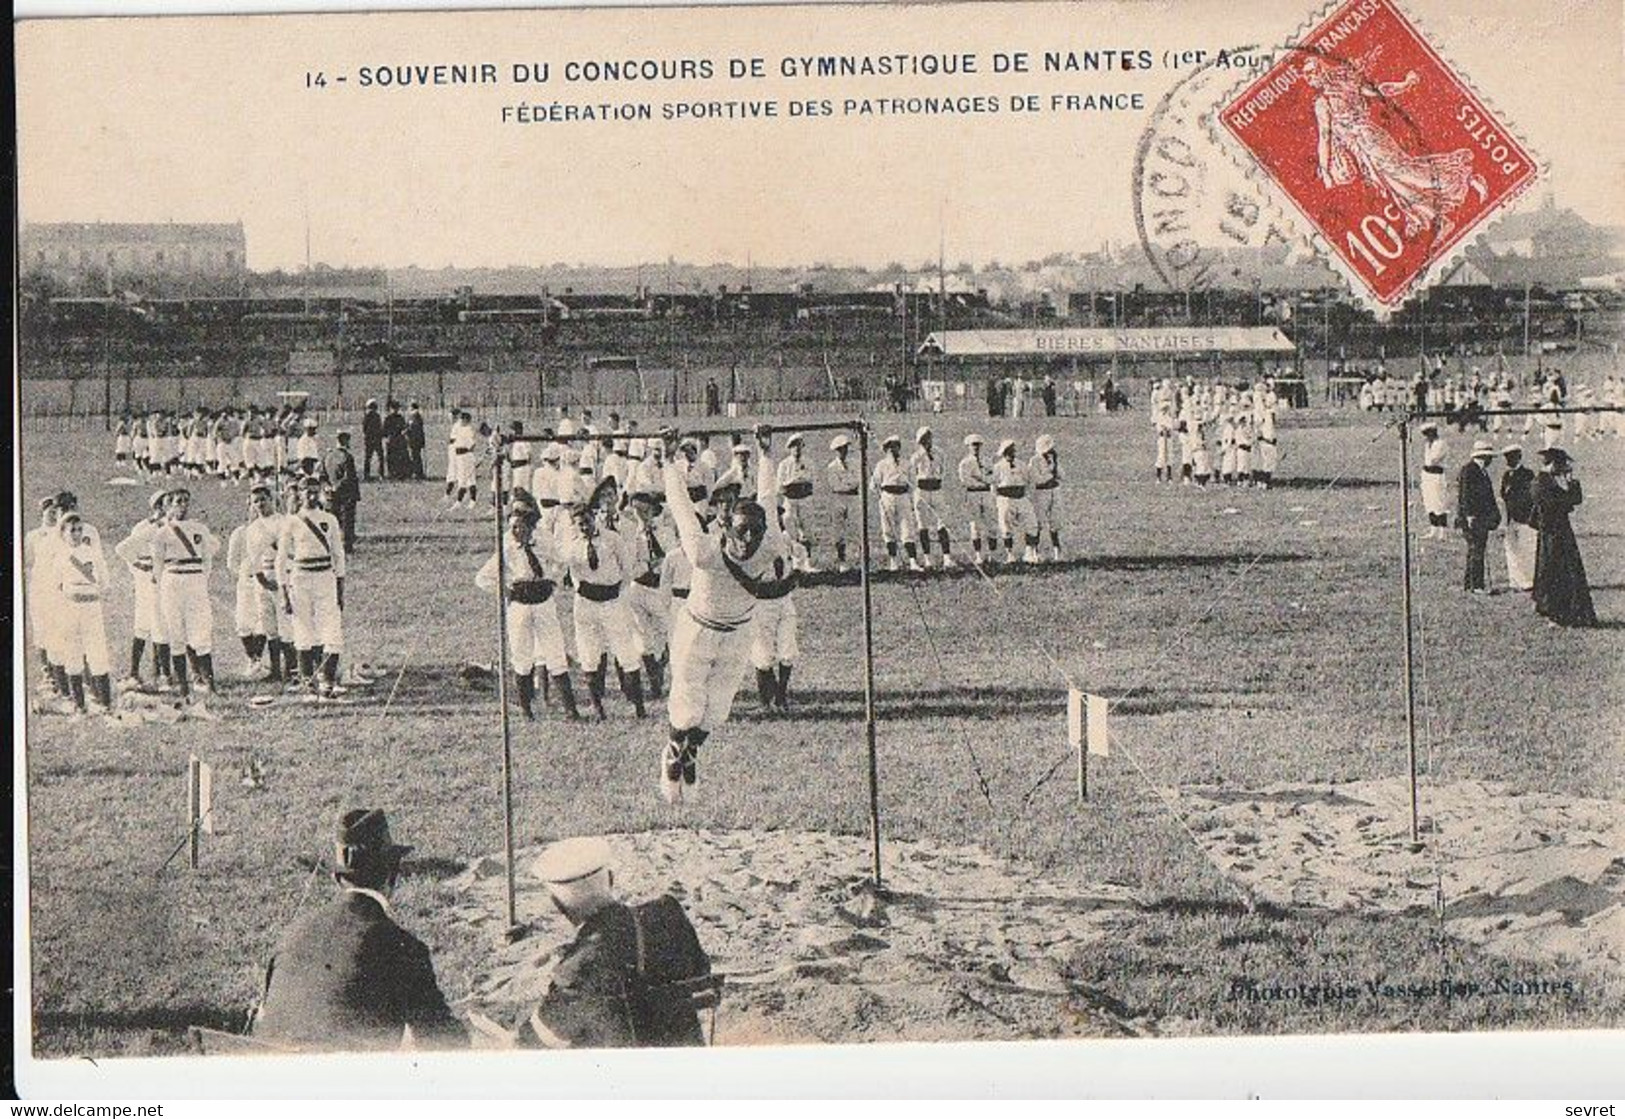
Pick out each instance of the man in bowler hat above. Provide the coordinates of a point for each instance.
(1478, 514)
(347, 976)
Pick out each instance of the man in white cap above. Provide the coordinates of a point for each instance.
(346, 976)
(928, 520)
(795, 486)
(1434, 500)
(462, 450)
(1162, 421)
(535, 637)
(1477, 513)
(79, 576)
(1518, 496)
(602, 563)
(1044, 468)
(1011, 490)
(624, 981)
(733, 565)
(147, 623)
(308, 451)
(978, 483)
(252, 618)
(183, 551)
(520, 459)
(890, 482)
(843, 483)
(651, 542)
(310, 574)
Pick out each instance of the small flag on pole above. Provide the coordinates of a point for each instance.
(1099, 743)
(1074, 718)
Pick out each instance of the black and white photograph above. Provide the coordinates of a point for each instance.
(816, 525)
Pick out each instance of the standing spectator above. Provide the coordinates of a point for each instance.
(1518, 495)
(1433, 495)
(416, 439)
(713, 397)
(993, 396)
(341, 475)
(1477, 513)
(372, 442)
(1562, 594)
(397, 455)
(1048, 395)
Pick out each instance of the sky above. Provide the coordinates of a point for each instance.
(211, 119)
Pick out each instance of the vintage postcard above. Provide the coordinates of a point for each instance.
(767, 527)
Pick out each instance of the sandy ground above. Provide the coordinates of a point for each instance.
(1528, 876)
(962, 946)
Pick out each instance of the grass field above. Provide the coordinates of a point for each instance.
(1250, 638)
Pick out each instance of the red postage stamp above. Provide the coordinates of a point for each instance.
(1381, 147)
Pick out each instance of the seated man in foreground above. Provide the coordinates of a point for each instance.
(347, 976)
(618, 983)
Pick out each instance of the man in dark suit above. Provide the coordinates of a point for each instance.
(416, 439)
(397, 456)
(620, 982)
(1477, 512)
(372, 441)
(341, 475)
(347, 976)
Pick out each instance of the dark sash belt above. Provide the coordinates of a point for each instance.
(599, 592)
(929, 484)
(531, 592)
(1012, 491)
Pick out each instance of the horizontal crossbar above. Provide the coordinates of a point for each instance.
(610, 437)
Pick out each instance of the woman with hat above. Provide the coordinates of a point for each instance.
(1434, 499)
(1562, 594)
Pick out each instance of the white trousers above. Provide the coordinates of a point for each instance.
(1044, 510)
(707, 667)
(893, 506)
(607, 627)
(774, 640)
(84, 637)
(256, 609)
(148, 622)
(928, 510)
(1016, 516)
(1520, 551)
(981, 513)
(183, 601)
(535, 637)
(317, 619)
(651, 607)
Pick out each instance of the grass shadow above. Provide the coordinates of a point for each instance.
(1058, 567)
(1295, 483)
(168, 1019)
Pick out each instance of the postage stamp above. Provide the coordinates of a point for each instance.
(1376, 143)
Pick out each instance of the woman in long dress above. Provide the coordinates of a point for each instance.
(1562, 595)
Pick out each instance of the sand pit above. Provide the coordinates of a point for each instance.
(962, 947)
(1523, 875)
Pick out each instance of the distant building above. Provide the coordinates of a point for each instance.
(103, 256)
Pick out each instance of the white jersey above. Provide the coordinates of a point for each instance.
(78, 571)
(184, 547)
(890, 476)
(841, 478)
(720, 588)
(795, 478)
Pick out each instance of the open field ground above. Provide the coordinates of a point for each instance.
(1252, 641)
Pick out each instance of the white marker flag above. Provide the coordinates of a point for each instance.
(1074, 718)
(205, 797)
(1099, 744)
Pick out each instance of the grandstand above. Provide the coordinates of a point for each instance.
(89, 356)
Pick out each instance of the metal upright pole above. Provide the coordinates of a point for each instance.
(1405, 572)
(502, 688)
(869, 657)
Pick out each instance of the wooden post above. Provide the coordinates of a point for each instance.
(869, 658)
(1405, 580)
(194, 810)
(502, 690)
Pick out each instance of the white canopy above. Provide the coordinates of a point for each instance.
(1156, 341)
